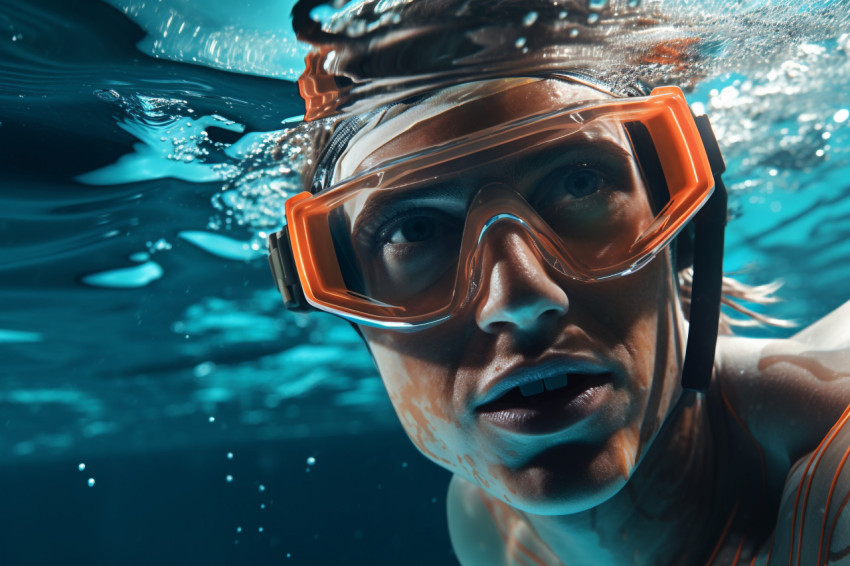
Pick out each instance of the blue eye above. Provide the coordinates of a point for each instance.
(568, 185)
(579, 184)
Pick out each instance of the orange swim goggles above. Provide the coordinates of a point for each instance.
(597, 189)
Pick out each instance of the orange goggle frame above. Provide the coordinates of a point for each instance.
(312, 273)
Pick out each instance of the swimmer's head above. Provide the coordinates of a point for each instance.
(540, 368)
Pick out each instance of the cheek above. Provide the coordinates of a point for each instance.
(643, 329)
(421, 395)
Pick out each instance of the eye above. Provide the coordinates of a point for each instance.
(575, 184)
(419, 226)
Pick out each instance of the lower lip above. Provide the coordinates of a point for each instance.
(549, 412)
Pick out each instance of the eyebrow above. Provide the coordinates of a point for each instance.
(439, 190)
(529, 164)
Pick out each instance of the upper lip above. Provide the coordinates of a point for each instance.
(529, 373)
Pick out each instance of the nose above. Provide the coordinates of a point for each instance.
(518, 293)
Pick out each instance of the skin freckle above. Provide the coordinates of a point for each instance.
(626, 443)
(481, 480)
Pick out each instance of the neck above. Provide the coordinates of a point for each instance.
(663, 513)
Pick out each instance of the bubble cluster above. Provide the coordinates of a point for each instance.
(268, 174)
(783, 119)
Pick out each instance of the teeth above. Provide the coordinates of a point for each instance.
(553, 383)
(531, 389)
(548, 384)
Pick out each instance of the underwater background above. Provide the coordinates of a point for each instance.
(158, 405)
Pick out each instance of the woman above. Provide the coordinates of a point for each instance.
(507, 237)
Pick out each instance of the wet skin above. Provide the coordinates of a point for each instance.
(553, 486)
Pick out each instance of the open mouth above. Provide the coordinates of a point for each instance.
(549, 404)
(557, 389)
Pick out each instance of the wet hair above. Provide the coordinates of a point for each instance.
(374, 53)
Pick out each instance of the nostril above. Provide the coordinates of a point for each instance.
(522, 310)
(497, 327)
(553, 312)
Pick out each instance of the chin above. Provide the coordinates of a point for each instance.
(565, 480)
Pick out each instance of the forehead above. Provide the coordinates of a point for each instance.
(453, 113)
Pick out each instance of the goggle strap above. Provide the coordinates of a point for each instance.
(285, 276)
(710, 224)
(712, 149)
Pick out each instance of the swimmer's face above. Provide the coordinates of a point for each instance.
(617, 342)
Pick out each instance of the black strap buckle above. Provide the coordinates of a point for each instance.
(285, 275)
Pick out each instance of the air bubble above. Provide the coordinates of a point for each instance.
(841, 116)
(91, 482)
(592, 18)
(262, 487)
(311, 461)
(81, 467)
(230, 455)
(159, 245)
(520, 42)
(203, 370)
(597, 5)
(529, 19)
(228, 478)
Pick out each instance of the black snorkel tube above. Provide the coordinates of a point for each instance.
(709, 228)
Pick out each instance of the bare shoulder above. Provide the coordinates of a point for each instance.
(789, 392)
(488, 532)
(830, 332)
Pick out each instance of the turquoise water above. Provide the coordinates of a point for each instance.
(139, 322)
